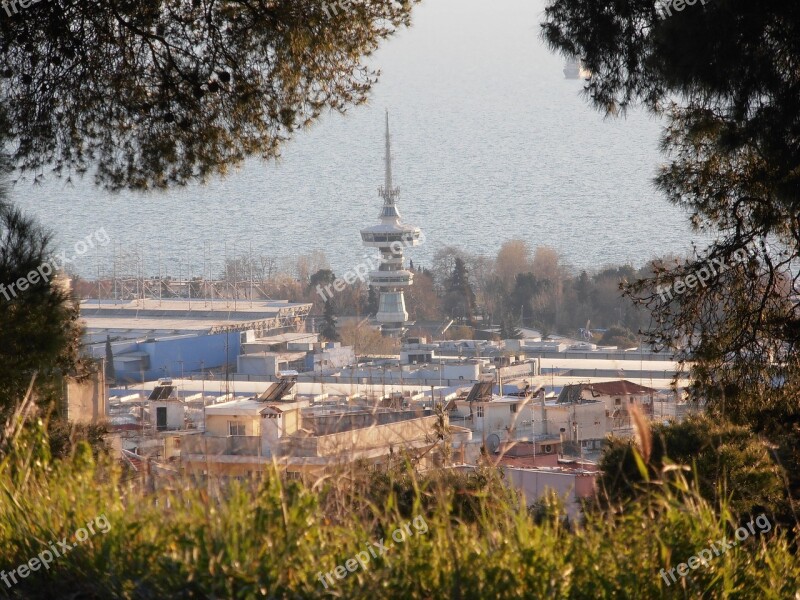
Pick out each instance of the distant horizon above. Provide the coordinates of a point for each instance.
(490, 143)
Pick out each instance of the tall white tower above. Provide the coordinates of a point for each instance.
(391, 238)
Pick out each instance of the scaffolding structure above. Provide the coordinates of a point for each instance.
(129, 275)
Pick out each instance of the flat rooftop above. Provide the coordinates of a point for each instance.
(283, 338)
(180, 304)
(182, 315)
(250, 406)
(218, 387)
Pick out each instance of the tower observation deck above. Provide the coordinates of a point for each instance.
(391, 237)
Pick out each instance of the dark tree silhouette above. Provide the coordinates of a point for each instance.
(39, 328)
(373, 301)
(459, 301)
(110, 372)
(154, 93)
(328, 330)
(725, 76)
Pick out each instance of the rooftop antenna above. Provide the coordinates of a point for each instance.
(98, 281)
(189, 277)
(251, 274)
(388, 192)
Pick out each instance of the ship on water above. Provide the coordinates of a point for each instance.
(574, 69)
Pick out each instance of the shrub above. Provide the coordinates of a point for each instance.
(276, 539)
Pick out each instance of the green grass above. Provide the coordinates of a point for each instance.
(271, 540)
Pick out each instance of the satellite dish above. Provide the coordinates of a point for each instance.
(493, 443)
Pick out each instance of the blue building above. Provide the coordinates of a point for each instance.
(153, 338)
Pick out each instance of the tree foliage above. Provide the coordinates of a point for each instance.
(723, 457)
(620, 337)
(321, 278)
(525, 297)
(509, 326)
(328, 330)
(154, 93)
(367, 340)
(373, 301)
(725, 77)
(459, 302)
(110, 371)
(39, 329)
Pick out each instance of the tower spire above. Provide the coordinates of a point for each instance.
(388, 179)
(388, 192)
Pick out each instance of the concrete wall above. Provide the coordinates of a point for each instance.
(291, 422)
(217, 425)
(212, 445)
(569, 485)
(396, 435)
(85, 402)
(261, 365)
(498, 416)
(331, 358)
(526, 450)
(172, 446)
(526, 369)
(591, 420)
(625, 400)
(175, 413)
(338, 423)
(578, 355)
(422, 374)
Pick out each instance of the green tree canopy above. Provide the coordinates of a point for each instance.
(509, 326)
(39, 329)
(328, 330)
(619, 336)
(523, 299)
(459, 301)
(322, 278)
(153, 93)
(726, 457)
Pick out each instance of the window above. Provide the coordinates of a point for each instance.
(631, 401)
(235, 428)
(513, 408)
(480, 412)
(161, 418)
(617, 401)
